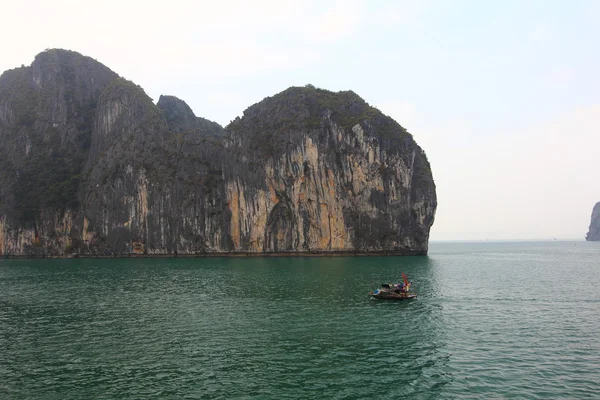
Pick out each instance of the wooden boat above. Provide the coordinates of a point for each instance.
(391, 295)
(394, 291)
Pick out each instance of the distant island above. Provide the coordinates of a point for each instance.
(90, 166)
(594, 231)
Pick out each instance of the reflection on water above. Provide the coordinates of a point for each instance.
(490, 321)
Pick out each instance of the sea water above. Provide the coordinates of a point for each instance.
(492, 320)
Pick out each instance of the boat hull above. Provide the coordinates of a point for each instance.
(392, 296)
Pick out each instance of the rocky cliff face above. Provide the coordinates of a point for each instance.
(90, 165)
(594, 231)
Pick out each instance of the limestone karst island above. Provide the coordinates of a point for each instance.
(90, 166)
(594, 231)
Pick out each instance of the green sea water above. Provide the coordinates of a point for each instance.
(492, 320)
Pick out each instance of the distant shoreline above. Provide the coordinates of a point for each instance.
(229, 254)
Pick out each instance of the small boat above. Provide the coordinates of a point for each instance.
(384, 294)
(394, 291)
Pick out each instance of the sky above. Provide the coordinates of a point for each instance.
(503, 96)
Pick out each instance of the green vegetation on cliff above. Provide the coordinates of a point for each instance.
(304, 170)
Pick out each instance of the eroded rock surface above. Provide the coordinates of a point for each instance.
(89, 165)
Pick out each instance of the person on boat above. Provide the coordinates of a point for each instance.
(405, 284)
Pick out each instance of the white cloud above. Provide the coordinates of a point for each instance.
(167, 33)
(210, 37)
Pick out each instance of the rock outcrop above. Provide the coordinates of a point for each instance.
(89, 165)
(594, 231)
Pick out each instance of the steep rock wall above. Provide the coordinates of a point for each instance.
(306, 170)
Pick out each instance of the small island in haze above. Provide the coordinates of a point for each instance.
(594, 231)
(90, 166)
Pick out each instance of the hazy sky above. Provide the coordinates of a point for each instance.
(504, 96)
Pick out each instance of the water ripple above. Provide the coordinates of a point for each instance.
(487, 324)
